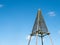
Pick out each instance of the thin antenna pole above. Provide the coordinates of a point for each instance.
(51, 39)
(29, 40)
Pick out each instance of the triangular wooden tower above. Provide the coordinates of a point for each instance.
(39, 28)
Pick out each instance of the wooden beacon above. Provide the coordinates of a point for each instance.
(39, 28)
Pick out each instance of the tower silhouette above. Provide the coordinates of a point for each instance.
(39, 28)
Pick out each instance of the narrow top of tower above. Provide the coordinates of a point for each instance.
(39, 9)
(39, 12)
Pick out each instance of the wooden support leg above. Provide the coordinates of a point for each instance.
(50, 39)
(41, 40)
(37, 39)
(29, 40)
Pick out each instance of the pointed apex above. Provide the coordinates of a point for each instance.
(39, 9)
(39, 12)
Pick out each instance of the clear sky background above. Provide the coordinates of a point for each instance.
(17, 19)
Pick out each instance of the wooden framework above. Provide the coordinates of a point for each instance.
(39, 28)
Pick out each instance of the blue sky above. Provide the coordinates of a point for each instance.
(17, 19)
